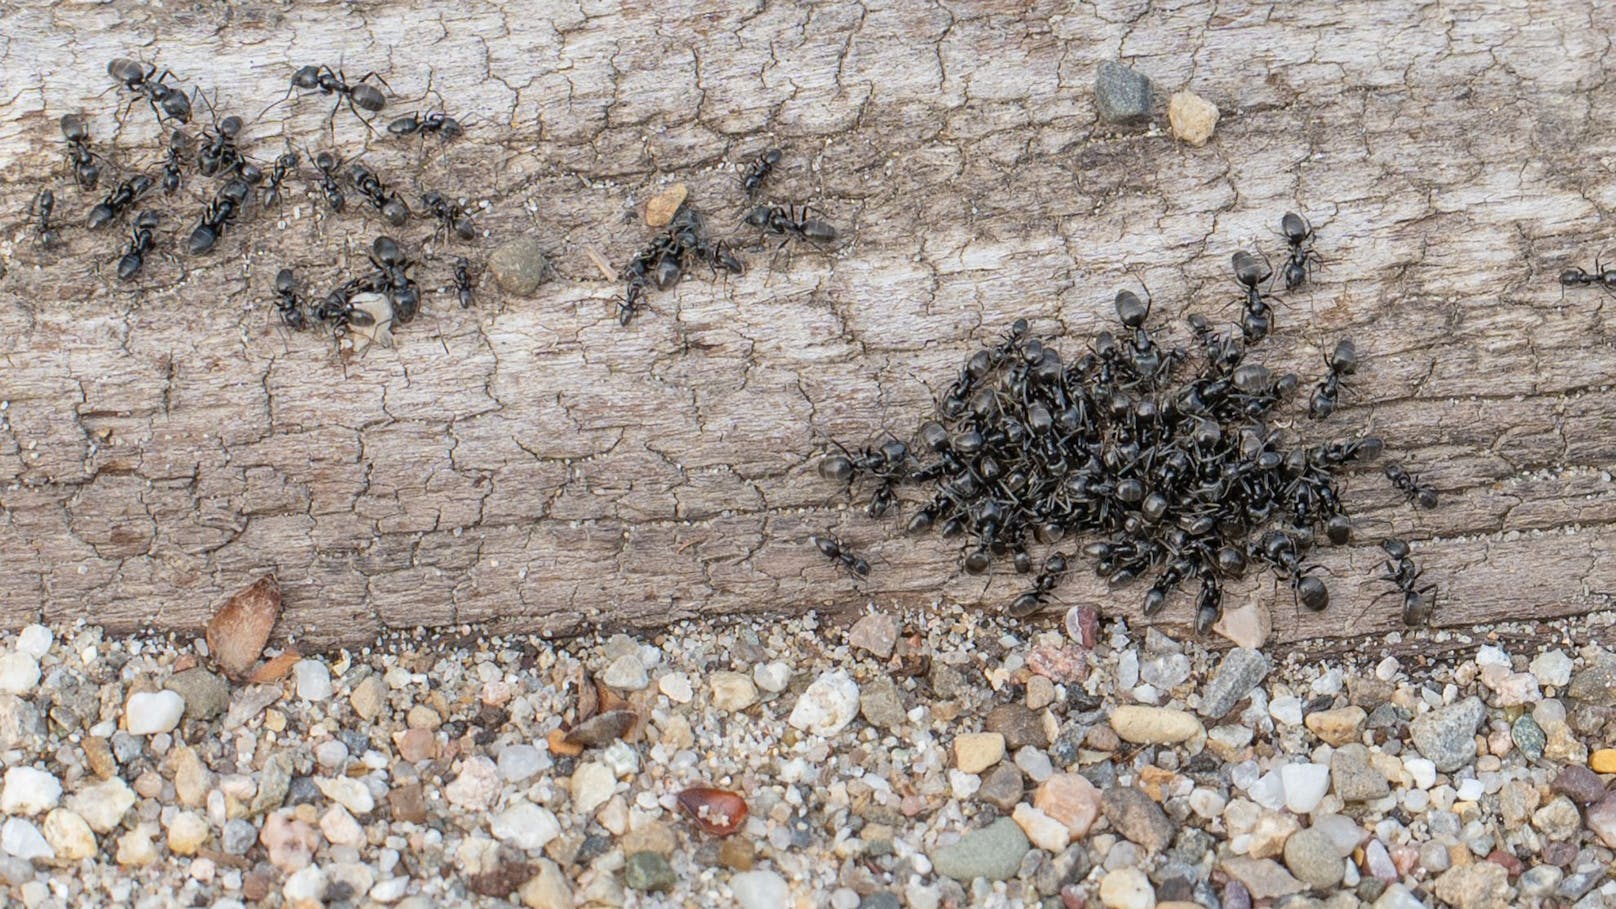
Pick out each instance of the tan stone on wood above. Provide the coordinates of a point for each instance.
(530, 465)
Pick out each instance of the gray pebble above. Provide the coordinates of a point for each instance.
(1597, 683)
(1137, 817)
(1003, 787)
(238, 836)
(125, 747)
(1242, 670)
(206, 694)
(1353, 777)
(1446, 735)
(648, 872)
(1311, 855)
(993, 852)
(15, 871)
(881, 899)
(880, 703)
(1121, 95)
(519, 265)
(1528, 736)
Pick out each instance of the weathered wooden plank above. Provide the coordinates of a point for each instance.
(531, 465)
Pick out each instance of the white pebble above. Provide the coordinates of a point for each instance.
(1207, 803)
(828, 705)
(347, 792)
(1305, 786)
(759, 890)
(1036, 764)
(29, 791)
(961, 784)
(592, 784)
(518, 762)
(23, 840)
(1287, 710)
(330, 753)
(621, 758)
(313, 680)
(1422, 770)
(1268, 791)
(626, 673)
(1471, 790)
(19, 673)
(476, 786)
(677, 687)
(152, 712)
(35, 640)
(1416, 799)
(773, 676)
(305, 887)
(525, 826)
(1127, 888)
(1552, 667)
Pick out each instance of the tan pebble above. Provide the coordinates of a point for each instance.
(423, 717)
(1154, 725)
(1044, 831)
(1040, 692)
(1191, 117)
(274, 720)
(135, 848)
(186, 833)
(1603, 761)
(1337, 727)
(548, 889)
(1071, 799)
(653, 837)
(98, 754)
(416, 745)
(737, 854)
(69, 835)
(660, 208)
(975, 752)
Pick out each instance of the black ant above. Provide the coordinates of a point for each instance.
(219, 153)
(1257, 318)
(1343, 362)
(165, 99)
(327, 163)
(1576, 277)
(226, 207)
(40, 210)
(1298, 233)
(834, 549)
(1404, 574)
(77, 133)
(381, 196)
(119, 199)
(451, 216)
(759, 171)
(140, 243)
(393, 268)
(174, 163)
(791, 221)
(270, 194)
(1417, 492)
(1048, 579)
(463, 281)
(360, 95)
(288, 301)
(435, 122)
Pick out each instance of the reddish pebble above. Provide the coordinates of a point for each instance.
(718, 812)
(1083, 625)
(416, 745)
(1508, 861)
(1072, 897)
(1059, 664)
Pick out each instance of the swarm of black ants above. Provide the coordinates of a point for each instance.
(1160, 460)
(686, 241)
(368, 305)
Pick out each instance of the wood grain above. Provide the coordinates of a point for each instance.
(529, 465)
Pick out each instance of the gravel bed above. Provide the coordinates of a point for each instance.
(955, 759)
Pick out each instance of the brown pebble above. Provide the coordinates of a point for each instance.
(501, 881)
(407, 803)
(737, 854)
(603, 729)
(1102, 738)
(99, 756)
(416, 745)
(237, 633)
(660, 208)
(1020, 726)
(717, 812)
(256, 885)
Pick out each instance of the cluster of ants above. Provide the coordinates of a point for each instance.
(662, 263)
(1171, 472)
(217, 154)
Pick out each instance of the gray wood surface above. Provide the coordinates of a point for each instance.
(529, 465)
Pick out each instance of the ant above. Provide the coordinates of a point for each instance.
(1417, 492)
(140, 243)
(165, 99)
(435, 122)
(360, 95)
(219, 154)
(791, 221)
(174, 164)
(327, 163)
(759, 171)
(1404, 574)
(381, 196)
(451, 216)
(77, 133)
(1576, 277)
(40, 210)
(224, 208)
(1298, 233)
(836, 550)
(1343, 362)
(270, 194)
(1048, 579)
(1257, 319)
(463, 282)
(119, 199)
(392, 267)
(288, 301)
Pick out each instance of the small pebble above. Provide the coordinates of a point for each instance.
(829, 704)
(313, 680)
(29, 791)
(1191, 118)
(759, 890)
(1121, 95)
(1127, 888)
(19, 673)
(153, 712)
(519, 265)
(1154, 725)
